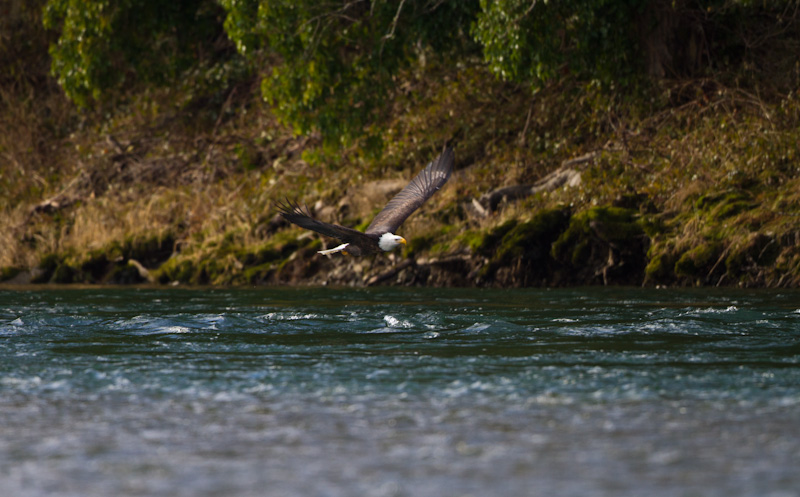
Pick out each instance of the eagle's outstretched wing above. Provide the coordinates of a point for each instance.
(292, 212)
(421, 188)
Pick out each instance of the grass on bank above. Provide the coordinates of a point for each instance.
(707, 173)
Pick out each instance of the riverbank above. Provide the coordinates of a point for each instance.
(685, 183)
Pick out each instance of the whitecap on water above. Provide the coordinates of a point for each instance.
(393, 325)
(590, 331)
(175, 329)
(19, 383)
(378, 373)
(662, 326)
(713, 310)
(477, 328)
(212, 320)
(393, 322)
(287, 316)
(13, 328)
(148, 325)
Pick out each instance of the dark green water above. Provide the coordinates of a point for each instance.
(410, 392)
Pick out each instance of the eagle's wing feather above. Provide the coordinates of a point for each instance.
(292, 212)
(421, 188)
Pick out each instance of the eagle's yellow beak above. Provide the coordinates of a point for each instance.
(402, 240)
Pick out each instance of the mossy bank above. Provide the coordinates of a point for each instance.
(683, 182)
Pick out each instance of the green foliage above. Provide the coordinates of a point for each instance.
(618, 41)
(336, 61)
(533, 42)
(104, 44)
(331, 67)
(707, 171)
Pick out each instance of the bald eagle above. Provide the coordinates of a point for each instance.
(379, 235)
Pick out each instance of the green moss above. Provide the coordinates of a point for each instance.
(441, 247)
(64, 273)
(698, 262)
(528, 236)
(108, 264)
(653, 225)
(124, 274)
(151, 251)
(788, 264)
(248, 156)
(491, 239)
(176, 269)
(472, 239)
(740, 153)
(661, 259)
(258, 255)
(761, 250)
(258, 274)
(96, 265)
(721, 205)
(419, 244)
(363, 225)
(610, 225)
(524, 243)
(287, 242)
(8, 273)
(225, 262)
(659, 268)
(47, 267)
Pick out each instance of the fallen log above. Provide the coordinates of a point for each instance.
(567, 175)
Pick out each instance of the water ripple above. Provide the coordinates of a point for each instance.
(399, 391)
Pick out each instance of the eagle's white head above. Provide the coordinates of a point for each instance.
(388, 241)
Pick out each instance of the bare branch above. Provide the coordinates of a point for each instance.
(390, 34)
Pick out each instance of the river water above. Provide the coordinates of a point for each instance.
(406, 392)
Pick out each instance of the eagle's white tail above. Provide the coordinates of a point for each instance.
(334, 249)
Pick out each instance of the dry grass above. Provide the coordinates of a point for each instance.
(216, 181)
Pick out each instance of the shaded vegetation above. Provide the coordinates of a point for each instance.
(523, 250)
(603, 245)
(155, 154)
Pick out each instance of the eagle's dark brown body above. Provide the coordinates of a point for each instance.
(379, 235)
